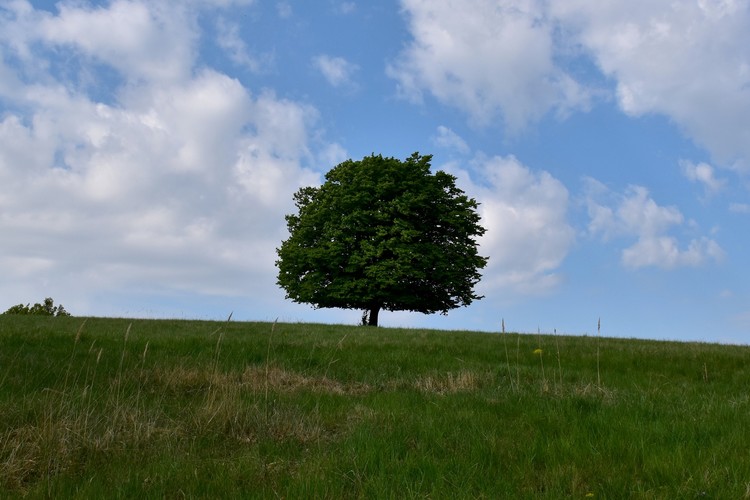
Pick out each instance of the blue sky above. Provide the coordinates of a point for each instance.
(150, 149)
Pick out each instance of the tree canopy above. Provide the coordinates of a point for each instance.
(46, 309)
(382, 233)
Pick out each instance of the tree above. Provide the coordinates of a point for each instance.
(46, 309)
(382, 233)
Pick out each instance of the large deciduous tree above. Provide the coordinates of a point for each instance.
(382, 233)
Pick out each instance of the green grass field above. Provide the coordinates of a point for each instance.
(190, 409)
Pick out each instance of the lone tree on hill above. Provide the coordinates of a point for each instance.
(382, 233)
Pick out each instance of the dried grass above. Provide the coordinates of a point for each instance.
(254, 378)
(451, 383)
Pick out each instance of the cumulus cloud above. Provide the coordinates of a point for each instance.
(686, 60)
(704, 174)
(333, 154)
(161, 190)
(635, 214)
(664, 251)
(494, 59)
(346, 7)
(448, 139)
(141, 41)
(525, 214)
(284, 9)
(336, 70)
(229, 39)
(177, 182)
(739, 208)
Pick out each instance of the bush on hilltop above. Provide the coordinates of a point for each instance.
(46, 309)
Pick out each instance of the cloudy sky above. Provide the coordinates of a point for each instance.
(149, 150)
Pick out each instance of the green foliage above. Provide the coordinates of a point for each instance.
(382, 233)
(46, 309)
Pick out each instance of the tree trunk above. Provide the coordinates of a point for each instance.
(373, 316)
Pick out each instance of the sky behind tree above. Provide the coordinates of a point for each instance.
(149, 151)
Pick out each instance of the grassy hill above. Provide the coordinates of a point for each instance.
(143, 408)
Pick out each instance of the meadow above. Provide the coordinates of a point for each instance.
(120, 408)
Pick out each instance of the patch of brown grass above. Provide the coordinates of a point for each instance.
(451, 383)
(254, 378)
(66, 432)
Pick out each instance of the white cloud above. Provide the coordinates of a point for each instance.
(230, 40)
(336, 70)
(141, 40)
(448, 139)
(686, 60)
(152, 41)
(494, 59)
(179, 184)
(640, 214)
(525, 214)
(739, 208)
(636, 214)
(151, 189)
(347, 7)
(704, 174)
(284, 10)
(332, 155)
(664, 251)
(217, 3)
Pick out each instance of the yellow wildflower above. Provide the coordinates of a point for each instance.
(538, 351)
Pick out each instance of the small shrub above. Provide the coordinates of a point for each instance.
(46, 309)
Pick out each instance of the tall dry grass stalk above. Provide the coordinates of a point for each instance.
(215, 402)
(73, 352)
(217, 351)
(122, 361)
(142, 375)
(80, 330)
(220, 331)
(334, 359)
